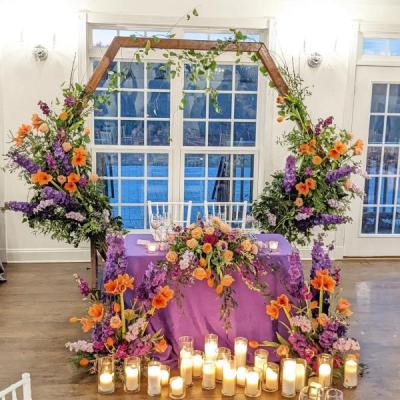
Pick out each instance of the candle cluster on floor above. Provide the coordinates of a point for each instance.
(218, 365)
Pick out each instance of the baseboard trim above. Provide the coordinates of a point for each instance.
(47, 255)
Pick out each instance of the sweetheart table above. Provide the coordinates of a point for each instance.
(198, 314)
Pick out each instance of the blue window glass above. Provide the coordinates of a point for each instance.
(105, 81)
(397, 221)
(394, 99)
(132, 132)
(133, 217)
(132, 164)
(194, 133)
(157, 190)
(371, 191)
(132, 75)
(244, 134)
(109, 108)
(378, 97)
(387, 190)
(246, 77)
(390, 159)
(224, 102)
(393, 129)
(219, 165)
(375, 129)
(222, 78)
(105, 131)
(132, 191)
(195, 165)
(110, 189)
(243, 165)
(369, 220)
(374, 160)
(194, 190)
(195, 106)
(190, 83)
(132, 104)
(219, 134)
(375, 46)
(385, 220)
(242, 190)
(245, 106)
(157, 77)
(218, 190)
(157, 165)
(158, 105)
(107, 164)
(158, 133)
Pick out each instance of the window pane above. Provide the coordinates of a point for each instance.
(387, 190)
(394, 47)
(218, 190)
(132, 104)
(103, 37)
(196, 35)
(158, 133)
(246, 77)
(397, 221)
(369, 220)
(197, 211)
(390, 159)
(243, 165)
(107, 109)
(132, 191)
(393, 129)
(374, 46)
(245, 106)
(219, 165)
(195, 165)
(105, 131)
(374, 160)
(194, 133)
(222, 77)
(104, 82)
(244, 134)
(394, 99)
(194, 190)
(190, 84)
(132, 164)
(157, 190)
(131, 33)
(375, 129)
(110, 188)
(133, 217)
(220, 36)
(371, 191)
(158, 105)
(195, 106)
(157, 165)
(378, 97)
(385, 220)
(224, 102)
(132, 75)
(132, 132)
(157, 76)
(107, 164)
(219, 134)
(242, 190)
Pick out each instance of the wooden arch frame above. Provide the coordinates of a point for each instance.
(183, 44)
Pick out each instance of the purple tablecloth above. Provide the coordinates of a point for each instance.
(199, 313)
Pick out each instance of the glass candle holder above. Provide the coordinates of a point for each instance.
(273, 245)
(223, 355)
(177, 388)
(311, 393)
(164, 374)
(186, 367)
(241, 374)
(185, 347)
(301, 374)
(260, 358)
(106, 374)
(241, 351)
(351, 365)
(154, 378)
(132, 374)
(253, 383)
(208, 381)
(197, 363)
(152, 247)
(325, 369)
(334, 394)
(229, 379)
(270, 381)
(288, 377)
(211, 347)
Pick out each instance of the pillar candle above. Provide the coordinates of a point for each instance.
(164, 376)
(106, 383)
(187, 370)
(210, 350)
(131, 378)
(177, 387)
(300, 377)
(252, 384)
(219, 369)
(241, 376)
(271, 380)
(229, 381)
(240, 352)
(154, 380)
(324, 375)
(208, 375)
(350, 373)
(197, 365)
(289, 377)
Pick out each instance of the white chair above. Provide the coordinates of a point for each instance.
(25, 383)
(234, 213)
(175, 210)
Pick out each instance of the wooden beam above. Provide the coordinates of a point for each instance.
(184, 44)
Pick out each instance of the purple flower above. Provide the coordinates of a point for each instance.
(328, 219)
(289, 179)
(154, 277)
(21, 206)
(69, 101)
(61, 198)
(318, 258)
(62, 158)
(24, 162)
(116, 260)
(44, 107)
(300, 345)
(322, 124)
(308, 171)
(295, 279)
(51, 162)
(83, 181)
(139, 348)
(327, 338)
(339, 173)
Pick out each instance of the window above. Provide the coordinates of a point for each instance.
(381, 211)
(145, 148)
(381, 47)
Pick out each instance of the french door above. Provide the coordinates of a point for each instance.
(375, 230)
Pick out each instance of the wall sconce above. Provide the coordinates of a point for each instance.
(314, 60)
(40, 53)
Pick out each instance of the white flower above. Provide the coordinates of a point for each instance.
(80, 345)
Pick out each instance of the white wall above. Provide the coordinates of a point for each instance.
(297, 25)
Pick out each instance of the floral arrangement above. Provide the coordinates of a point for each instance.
(210, 252)
(315, 188)
(51, 155)
(317, 318)
(116, 329)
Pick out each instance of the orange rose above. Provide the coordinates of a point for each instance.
(280, 119)
(66, 147)
(81, 151)
(283, 302)
(83, 362)
(209, 230)
(94, 178)
(44, 128)
(87, 324)
(227, 280)
(73, 177)
(70, 187)
(282, 351)
(36, 121)
(299, 202)
(272, 310)
(197, 233)
(253, 344)
(358, 147)
(322, 319)
(200, 273)
(161, 346)
(41, 178)
(332, 153)
(316, 160)
(86, 131)
(171, 257)
(305, 148)
(311, 184)
(115, 322)
(192, 243)
(63, 116)
(219, 289)
(340, 147)
(110, 341)
(207, 248)
(225, 228)
(343, 306)
(302, 189)
(227, 255)
(166, 292)
(159, 302)
(61, 179)
(246, 245)
(203, 262)
(96, 311)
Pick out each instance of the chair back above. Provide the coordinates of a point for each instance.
(175, 210)
(234, 213)
(25, 383)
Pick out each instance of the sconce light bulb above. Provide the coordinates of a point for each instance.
(314, 60)
(40, 53)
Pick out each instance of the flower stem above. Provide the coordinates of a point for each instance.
(121, 300)
(321, 300)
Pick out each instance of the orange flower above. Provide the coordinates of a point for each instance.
(343, 306)
(167, 292)
(78, 160)
(311, 184)
(66, 147)
(80, 151)
(63, 116)
(316, 160)
(161, 346)
(253, 344)
(171, 257)
(254, 249)
(116, 308)
(280, 119)
(312, 142)
(322, 319)
(280, 99)
(86, 131)
(200, 273)
(282, 350)
(124, 282)
(246, 245)
(70, 187)
(348, 184)
(209, 230)
(18, 140)
(332, 153)
(87, 324)
(197, 233)
(111, 287)
(73, 177)
(283, 302)
(96, 311)
(115, 322)
(36, 121)
(302, 189)
(227, 255)
(203, 262)
(210, 282)
(272, 310)
(314, 305)
(340, 147)
(110, 341)
(159, 301)
(207, 248)
(44, 128)
(192, 243)
(227, 280)
(61, 179)
(358, 147)
(24, 129)
(83, 362)
(305, 148)
(324, 281)
(219, 289)
(41, 178)
(299, 202)
(94, 178)
(225, 228)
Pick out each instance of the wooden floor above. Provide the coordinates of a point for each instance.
(38, 299)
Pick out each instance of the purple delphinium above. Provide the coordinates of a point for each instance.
(295, 278)
(327, 338)
(308, 171)
(116, 260)
(300, 345)
(329, 219)
(21, 206)
(69, 101)
(318, 258)
(339, 173)
(154, 277)
(322, 124)
(24, 162)
(51, 162)
(44, 107)
(62, 158)
(289, 179)
(83, 181)
(83, 285)
(61, 198)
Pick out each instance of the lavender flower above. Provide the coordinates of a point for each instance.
(61, 198)
(289, 179)
(76, 216)
(318, 258)
(134, 329)
(69, 101)
(300, 344)
(21, 206)
(51, 162)
(83, 181)
(44, 107)
(327, 338)
(302, 322)
(344, 345)
(322, 124)
(62, 158)
(43, 205)
(116, 260)
(339, 173)
(24, 162)
(295, 280)
(154, 277)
